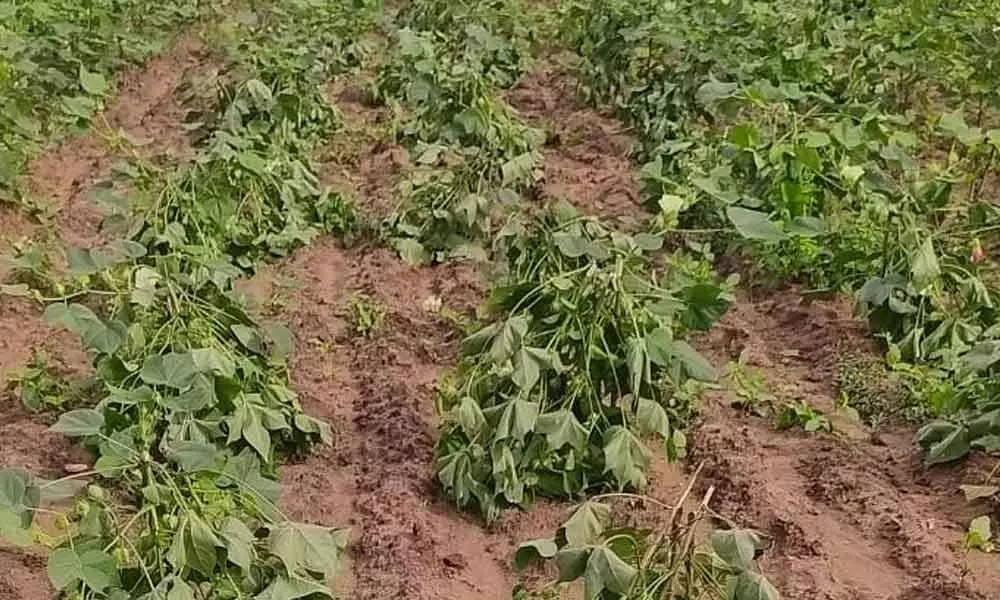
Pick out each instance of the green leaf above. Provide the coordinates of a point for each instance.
(79, 422)
(526, 370)
(750, 585)
(239, 542)
(281, 341)
(312, 548)
(954, 124)
(469, 417)
(562, 428)
(945, 442)
(252, 161)
(982, 356)
(847, 134)
(572, 563)
(712, 91)
(200, 545)
(586, 524)
(532, 551)
(696, 365)
(625, 457)
(249, 337)
(517, 420)
(754, 224)
(176, 370)
(410, 250)
(737, 547)
(651, 418)
(96, 569)
(256, 435)
(572, 246)
(193, 456)
(925, 265)
(293, 588)
(606, 571)
(180, 590)
(200, 395)
(92, 83)
(105, 337)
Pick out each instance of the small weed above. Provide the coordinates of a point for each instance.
(367, 315)
(38, 385)
(866, 385)
(800, 414)
(750, 387)
(980, 535)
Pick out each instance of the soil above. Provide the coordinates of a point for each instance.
(148, 109)
(586, 153)
(853, 516)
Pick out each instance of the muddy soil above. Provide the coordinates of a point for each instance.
(148, 109)
(586, 153)
(854, 516)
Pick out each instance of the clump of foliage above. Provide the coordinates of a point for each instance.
(866, 384)
(367, 315)
(620, 562)
(584, 356)
(195, 409)
(56, 58)
(793, 127)
(475, 154)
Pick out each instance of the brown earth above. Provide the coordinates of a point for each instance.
(853, 516)
(148, 109)
(586, 153)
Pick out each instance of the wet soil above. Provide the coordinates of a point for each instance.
(586, 152)
(853, 515)
(148, 109)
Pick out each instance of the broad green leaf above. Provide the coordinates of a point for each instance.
(606, 571)
(256, 435)
(96, 569)
(410, 250)
(526, 370)
(200, 545)
(175, 369)
(79, 422)
(180, 590)
(754, 224)
(517, 420)
(651, 418)
(249, 337)
(562, 428)
(252, 162)
(625, 457)
(847, 134)
(302, 546)
(712, 91)
(737, 547)
(469, 417)
(924, 264)
(954, 124)
(696, 365)
(586, 524)
(293, 588)
(239, 542)
(982, 356)
(193, 456)
(572, 246)
(944, 442)
(105, 337)
(281, 341)
(92, 83)
(572, 562)
(200, 395)
(16, 500)
(532, 551)
(750, 585)
(806, 226)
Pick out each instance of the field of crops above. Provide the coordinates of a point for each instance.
(477, 300)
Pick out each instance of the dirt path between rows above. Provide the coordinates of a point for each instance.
(854, 517)
(148, 107)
